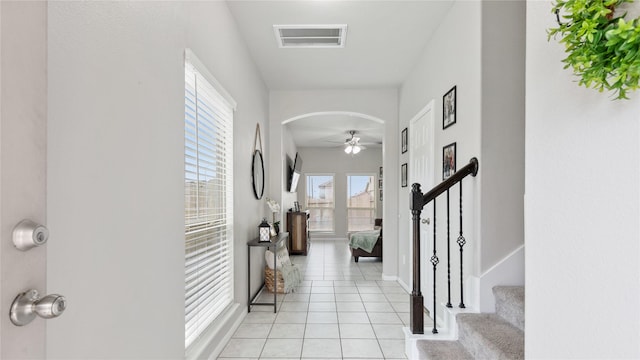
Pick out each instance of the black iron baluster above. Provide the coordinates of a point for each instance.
(434, 262)
(461, 241)
(448, 256)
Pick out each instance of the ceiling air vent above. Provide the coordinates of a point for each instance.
(310, 36)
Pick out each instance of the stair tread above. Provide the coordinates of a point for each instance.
(490, 336)
(510, 304)
(515, 291)
(442, 350)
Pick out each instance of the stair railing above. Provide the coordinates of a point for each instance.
(417, 201)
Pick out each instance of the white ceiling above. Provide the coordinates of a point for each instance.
(333, 131)
(384, 42)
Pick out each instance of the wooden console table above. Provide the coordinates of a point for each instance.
(275, 241)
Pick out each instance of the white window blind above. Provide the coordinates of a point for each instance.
(208, 204)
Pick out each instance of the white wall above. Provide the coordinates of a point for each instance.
(23, 119)
(378, 103)
(479, 48)
(452, 57)
(115, 168)
(503, 118)
(582, 210)
(335, 161)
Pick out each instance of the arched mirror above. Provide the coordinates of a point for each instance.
(257, 174)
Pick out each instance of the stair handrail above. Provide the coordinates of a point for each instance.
(417, 201)
(470, 169)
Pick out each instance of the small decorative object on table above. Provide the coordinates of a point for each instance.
(265, 232)
(275, 208)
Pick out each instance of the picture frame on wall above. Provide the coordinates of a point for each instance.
(448, 160)
(403, 175)
(449, 108)
(404, 140)
(380, 182)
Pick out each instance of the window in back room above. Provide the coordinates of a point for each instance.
(320, 202)
(361, 202)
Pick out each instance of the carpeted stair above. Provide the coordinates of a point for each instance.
(497, 336)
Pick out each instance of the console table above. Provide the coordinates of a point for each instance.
(275, 241)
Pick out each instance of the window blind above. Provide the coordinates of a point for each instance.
(208, 175)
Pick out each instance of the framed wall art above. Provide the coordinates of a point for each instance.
(448, 160)
(380, 182)
(403, 175)
(404, 140)
(449, 108)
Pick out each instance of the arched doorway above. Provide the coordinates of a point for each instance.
(325, 133)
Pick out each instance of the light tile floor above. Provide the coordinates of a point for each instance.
(342, 310)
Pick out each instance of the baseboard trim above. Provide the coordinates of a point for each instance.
(202, 346)
(403, 285)
(389, 277)
(508, 271)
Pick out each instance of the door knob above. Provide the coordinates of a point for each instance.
(426, 221)
(28, 304)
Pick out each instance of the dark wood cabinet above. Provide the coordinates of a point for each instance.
(298, 229)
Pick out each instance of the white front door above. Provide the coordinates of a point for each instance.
(23, 145)
(421, 171)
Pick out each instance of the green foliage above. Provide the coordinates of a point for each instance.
(602, 50)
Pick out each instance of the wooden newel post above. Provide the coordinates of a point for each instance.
(417, 302)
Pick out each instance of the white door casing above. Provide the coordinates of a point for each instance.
(421, 169)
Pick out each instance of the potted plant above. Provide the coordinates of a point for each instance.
(602, 42)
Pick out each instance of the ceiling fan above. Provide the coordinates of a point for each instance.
(352, 145)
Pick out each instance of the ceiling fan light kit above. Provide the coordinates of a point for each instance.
(352, 145)
(352, 149)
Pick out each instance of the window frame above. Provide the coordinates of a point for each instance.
(332, 208)
(374, 209)
(225, 102)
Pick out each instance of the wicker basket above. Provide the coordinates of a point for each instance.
(268, 280)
